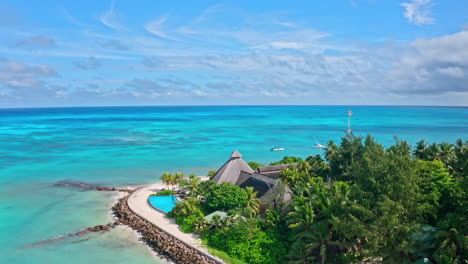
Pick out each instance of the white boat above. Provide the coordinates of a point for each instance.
(317, 145)
(277, 149)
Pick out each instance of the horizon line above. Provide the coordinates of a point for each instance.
(234, 105)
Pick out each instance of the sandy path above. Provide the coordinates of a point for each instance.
(138, 203)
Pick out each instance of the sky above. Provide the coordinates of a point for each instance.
(151, 52)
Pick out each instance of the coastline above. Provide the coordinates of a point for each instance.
(157, 231)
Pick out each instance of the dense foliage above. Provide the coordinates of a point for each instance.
(249, 241)
(163, 193)
(363, 201)
(226, 196)
(254, 165)
(287, 160)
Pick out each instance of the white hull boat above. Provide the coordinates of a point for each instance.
(277, 149)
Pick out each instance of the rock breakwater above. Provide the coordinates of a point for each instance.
(87, 186)
(166, 245)
(98, 228)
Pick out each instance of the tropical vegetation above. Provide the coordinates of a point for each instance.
(358, 202)
(163, 193)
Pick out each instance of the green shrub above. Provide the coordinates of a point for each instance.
(254, 165)
(163, 193)
(287, 160)
(226, 196)
(187, 224)
(224, 256)
(247, 242)
(188, 215)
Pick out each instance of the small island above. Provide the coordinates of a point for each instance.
(360, 202)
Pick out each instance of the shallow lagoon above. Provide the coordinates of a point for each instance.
(134, 145)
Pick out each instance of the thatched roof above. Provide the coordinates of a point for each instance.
(243, 176)
(264, 180)
(278, 191)
(230, 171)
(274, 170)
(236, 154)
(259, 185)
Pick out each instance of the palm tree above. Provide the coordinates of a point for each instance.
(253, 203)
(178, 177)
(460, 146)
(188, 207)
(421, 150)
(298, 253)
(191, 185)
(287, 174)
(292, 176)
(304, 166)
(320, 199)
(166, 178)
(320, 240)
(200, 224)
(172, 181)
(433, 152)
(273, 217)
(331, 151)
(446, 152)
(460, 163)
(452, 248)
(301, 218)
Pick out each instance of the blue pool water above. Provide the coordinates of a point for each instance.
(163, 203)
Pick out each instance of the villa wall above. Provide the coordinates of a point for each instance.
(166, 245)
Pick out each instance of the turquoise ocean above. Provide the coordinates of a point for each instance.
(120, 146)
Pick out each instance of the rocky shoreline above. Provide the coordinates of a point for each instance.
(166, 245)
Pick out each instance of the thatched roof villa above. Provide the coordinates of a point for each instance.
(265, 180)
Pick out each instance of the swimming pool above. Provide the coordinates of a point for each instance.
(163, 203)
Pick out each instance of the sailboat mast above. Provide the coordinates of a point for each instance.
(350, 113)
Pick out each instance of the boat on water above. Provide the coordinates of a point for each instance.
(277, 149)
(318, 145)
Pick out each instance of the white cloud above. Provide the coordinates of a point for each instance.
(287, 24)
(15, 74)
(70, 18)
(419, 12)
(430, 68)
(110, 19)
(279, 45)
(454, 71)
(435, 66)
(155, 27)
(205, 15)
(286, 45)
(250, 61)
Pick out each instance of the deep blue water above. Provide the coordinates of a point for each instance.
(134, 145)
